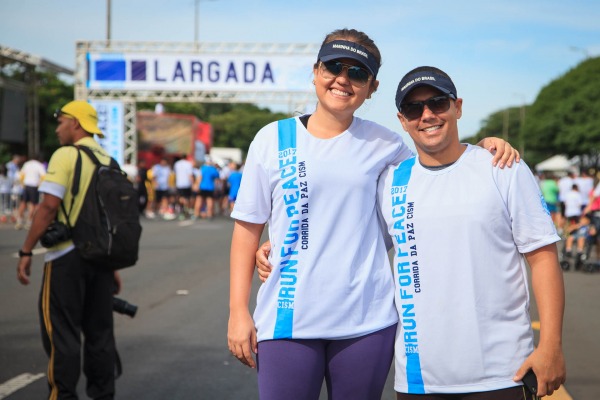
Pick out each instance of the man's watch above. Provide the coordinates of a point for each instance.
(25, 254)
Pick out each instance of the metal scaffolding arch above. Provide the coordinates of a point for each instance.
(294, 100)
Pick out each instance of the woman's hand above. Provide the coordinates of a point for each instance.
(504, 153)
(241, 338)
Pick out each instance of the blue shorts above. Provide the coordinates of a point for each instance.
(582, 232)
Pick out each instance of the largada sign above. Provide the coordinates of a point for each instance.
(204, 72)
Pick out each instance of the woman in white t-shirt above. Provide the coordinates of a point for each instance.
(327, 310)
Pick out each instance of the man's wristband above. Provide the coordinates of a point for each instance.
(25, 254)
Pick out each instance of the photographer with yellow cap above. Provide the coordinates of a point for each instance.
(76, 296)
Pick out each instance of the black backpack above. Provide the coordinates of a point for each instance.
(108, 229)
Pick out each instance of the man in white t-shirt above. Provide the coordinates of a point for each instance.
(184, 179)
(32, 173)
(462, 230)
(565, 184)
(585, 183)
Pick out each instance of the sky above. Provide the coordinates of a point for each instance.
(499, 53)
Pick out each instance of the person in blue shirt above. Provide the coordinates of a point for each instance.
(205, 203)
(234, 180)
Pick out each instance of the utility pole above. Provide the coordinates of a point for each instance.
(522, 123)
(197, 21)
(585, 53)
(505, 124)
(196, 6)
(108, 16)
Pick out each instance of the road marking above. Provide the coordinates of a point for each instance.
(561, 393)
(16, 383)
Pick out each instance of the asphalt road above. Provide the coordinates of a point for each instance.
(176, 347)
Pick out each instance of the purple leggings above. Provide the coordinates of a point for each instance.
(353, 368)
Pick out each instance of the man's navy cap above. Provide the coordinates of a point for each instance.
(424, 76)
(337, 49)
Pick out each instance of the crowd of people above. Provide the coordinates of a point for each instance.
(19, 181)
(175, 188)
(178, 188)
(574, 203)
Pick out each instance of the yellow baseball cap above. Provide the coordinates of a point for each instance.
(83, 112)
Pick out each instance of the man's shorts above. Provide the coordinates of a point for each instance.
(31, 195)
(186, 193)
(207, 194)
(160, 194)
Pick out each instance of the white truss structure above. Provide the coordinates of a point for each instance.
(294, 100)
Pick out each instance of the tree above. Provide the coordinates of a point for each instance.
(565, 115)
(238, 127)
(52, 93)
(505, 124)
(562, 120)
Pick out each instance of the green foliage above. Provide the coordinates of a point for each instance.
(200, 110)
(565, 114)
(505, 124)
(238, 127)
(562, 120)
(52, 93)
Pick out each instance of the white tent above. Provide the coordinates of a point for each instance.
(555, 163)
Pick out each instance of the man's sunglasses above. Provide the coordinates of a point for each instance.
(59, 112)
(436, 105)
(358, 76)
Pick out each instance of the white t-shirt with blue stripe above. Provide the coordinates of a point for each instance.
(331, 276)
(461, 280)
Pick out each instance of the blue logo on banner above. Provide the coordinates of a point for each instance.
(138, 70)
(113, 70)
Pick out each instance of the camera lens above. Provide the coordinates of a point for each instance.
(123, 307)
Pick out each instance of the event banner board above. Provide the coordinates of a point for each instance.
(111, 123)
(219, 72)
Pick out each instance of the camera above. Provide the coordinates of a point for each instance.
(56, 233)
(123, 307)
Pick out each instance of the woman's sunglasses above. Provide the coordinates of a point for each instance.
(358, 76)
(436, 105)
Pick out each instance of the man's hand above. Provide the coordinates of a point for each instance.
(548, 366)
(24, 270)
(262, 261)
(118, 283)
(43, 217)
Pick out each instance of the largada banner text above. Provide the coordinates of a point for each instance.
(220, 72)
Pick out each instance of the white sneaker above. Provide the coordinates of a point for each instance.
(169, 216)
(150, 215)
